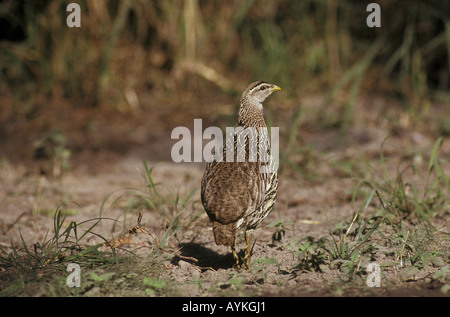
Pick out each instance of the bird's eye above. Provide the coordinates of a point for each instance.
(262, 88)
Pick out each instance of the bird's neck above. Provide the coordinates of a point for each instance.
(251, 115)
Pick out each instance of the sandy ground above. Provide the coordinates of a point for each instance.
(200, 268)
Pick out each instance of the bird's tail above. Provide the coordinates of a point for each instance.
(224, 234)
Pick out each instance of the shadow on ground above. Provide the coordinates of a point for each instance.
(203, 257)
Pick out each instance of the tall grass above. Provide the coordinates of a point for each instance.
(304, 46)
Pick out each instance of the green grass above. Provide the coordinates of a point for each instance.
(422, 199)
(63, 245)
(379, 231)
(26, 266)
(391, 223)
(157, 198)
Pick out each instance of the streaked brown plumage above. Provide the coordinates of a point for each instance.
(238, 194)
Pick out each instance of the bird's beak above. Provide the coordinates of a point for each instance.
(276, 88)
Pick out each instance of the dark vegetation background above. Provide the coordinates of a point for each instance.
(136, 69)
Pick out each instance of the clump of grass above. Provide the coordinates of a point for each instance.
(26, 263)
(418, 247)
(348, 248)
(310, 253)
(392, 222)
(412, 199)
(353, 249)
(65, 245)
(178, 213)
(153, 196)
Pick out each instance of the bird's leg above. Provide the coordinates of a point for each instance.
(235, 255)
(248, 248)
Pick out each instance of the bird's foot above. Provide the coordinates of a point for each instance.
(236, 258)
(241, 263)
(246, 262)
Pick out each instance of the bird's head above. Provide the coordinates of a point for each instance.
(257, 92)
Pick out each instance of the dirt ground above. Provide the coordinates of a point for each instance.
(100, 182)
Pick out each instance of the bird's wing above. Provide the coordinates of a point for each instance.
(229, 190)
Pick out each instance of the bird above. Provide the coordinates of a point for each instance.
(236, 193)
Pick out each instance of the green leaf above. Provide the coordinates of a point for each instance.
(432, 162)
(154, 284)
